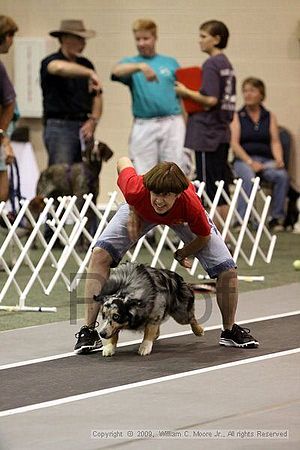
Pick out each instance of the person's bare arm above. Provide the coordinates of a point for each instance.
(7, 112)
(89, 127)
(71, 70)
(125, 69)
(182, 255)
(8, 150)
(134, 221)
(184, 92)
(275, 143)
(6, 115)
(123, 163)
(184, 113)
(133, 225)
(97, 108)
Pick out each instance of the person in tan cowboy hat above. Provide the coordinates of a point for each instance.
(72, 95)
(75, 27)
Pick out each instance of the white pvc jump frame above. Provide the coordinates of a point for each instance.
(67, 210)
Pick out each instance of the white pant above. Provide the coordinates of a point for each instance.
(155, 140)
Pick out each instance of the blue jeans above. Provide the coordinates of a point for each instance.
(214, 257)
(278, 177)
(62, 141)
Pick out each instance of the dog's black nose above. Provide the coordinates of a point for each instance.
(103, 334)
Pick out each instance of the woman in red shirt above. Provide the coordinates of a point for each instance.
(163, 196)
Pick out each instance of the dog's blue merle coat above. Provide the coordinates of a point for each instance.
(142, 294)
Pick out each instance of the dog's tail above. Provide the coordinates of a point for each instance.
(196, 327)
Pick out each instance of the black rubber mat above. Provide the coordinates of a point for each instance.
(51, 380)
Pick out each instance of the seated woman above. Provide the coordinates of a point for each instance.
(257, 149)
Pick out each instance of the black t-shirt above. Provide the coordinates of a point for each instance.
(65, 97)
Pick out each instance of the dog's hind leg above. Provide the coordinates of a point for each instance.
(150, 334)
(109, 349)
(196, 327)
(184, 317)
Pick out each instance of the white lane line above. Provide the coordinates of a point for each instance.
(75, 398)
(138, 341)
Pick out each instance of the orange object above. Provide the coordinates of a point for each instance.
(191, 77)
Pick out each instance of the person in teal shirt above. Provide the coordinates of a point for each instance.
(158, 130)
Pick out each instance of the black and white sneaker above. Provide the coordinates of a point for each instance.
(238, 337)
(88, 340)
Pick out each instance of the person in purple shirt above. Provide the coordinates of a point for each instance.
(208, 132)
(7, 104)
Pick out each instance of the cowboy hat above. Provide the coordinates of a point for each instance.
(75, 27)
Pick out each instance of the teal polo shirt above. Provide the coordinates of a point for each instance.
(153, 98)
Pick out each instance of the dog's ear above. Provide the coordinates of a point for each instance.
(105, 152)
(36, 205)
(131, 319)
(131, 302)
(132, 311)
(130, 305)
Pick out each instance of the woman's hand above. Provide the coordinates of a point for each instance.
(180, 89)
(279, 164)
(256, 166)
(183, 261)
(186, 262)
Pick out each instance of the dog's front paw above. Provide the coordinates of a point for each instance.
(109, 350)
(145, 348)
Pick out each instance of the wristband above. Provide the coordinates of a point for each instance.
(178, 257)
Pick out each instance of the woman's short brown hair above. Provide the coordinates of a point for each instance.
(257, 83)
(164, 178)
(145, 25)
(217, 28)
(7, 25)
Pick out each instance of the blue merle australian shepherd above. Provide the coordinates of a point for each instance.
(139, 297)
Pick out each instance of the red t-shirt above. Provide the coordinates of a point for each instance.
(186, 209)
